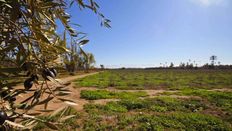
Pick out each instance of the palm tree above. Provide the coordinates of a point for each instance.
(76, 58)
(89, 61)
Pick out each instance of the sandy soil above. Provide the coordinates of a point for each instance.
(56, 103)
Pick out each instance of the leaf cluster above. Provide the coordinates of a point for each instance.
(29, 45)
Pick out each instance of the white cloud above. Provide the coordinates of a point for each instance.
(208, 3)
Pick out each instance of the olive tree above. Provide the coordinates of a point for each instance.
(30, 45)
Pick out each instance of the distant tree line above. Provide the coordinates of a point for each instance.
(193, 65)
(190, 66)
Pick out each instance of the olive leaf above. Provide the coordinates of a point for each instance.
(66, 118)
(51, 125)
(83, 42)
(14, 124)
(56, 112)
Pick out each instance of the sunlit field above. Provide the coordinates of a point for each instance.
(155, 100)
(160, 79)
(115, 65)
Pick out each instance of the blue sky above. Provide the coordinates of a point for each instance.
(150, 32)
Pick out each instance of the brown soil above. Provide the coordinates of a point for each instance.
(222, 89)
(55, 103)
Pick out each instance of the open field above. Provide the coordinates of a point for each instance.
(153, 100)
(160, 79)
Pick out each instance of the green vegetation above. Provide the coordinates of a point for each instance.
(163, 113)
(216, 98)
(181, 105)
(158, 104)
(109, 108)
(156, 79)
(69, 122)
(104, 94)
(200, 108)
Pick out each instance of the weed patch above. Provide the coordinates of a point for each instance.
(104, 94)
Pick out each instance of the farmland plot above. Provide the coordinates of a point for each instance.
(155, 100)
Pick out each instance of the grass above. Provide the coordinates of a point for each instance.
(219, 99)
(200, 109)
(104, 94)
(158, 104)
(147, 121)
(161, 113)
(109, 108)
(69, 124)
(209, 112)
(155, 79)
(180, 121)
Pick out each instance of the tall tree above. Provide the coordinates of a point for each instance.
(89, 60)
(102, 66)
(75, 58)
(171, 65)
(213, 58)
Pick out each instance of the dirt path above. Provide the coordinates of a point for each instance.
(64, 80)
(55, 103)
(150, 93)
(222, 89)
